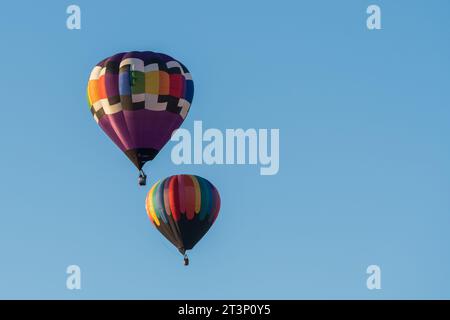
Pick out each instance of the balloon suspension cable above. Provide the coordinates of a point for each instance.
(186, 260)
(142, 178)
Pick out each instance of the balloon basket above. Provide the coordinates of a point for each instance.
(142, 179)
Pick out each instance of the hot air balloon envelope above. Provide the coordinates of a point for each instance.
(139, 99)
(183, 208)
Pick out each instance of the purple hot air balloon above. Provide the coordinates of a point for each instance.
(139, 99)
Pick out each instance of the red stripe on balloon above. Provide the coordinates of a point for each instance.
(176, 85)
(101, 87)
(181, 194)
(173, 198)
(189, 190)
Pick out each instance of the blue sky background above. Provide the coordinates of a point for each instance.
(364, 174)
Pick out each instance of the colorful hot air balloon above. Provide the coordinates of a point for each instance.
(183, 208)
(139, 99)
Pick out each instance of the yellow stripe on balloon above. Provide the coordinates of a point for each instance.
(93, 91)
(146, 208)
(198, 194)
(88, 97)
(150, 205)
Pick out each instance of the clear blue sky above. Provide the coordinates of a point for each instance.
(364, 119)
